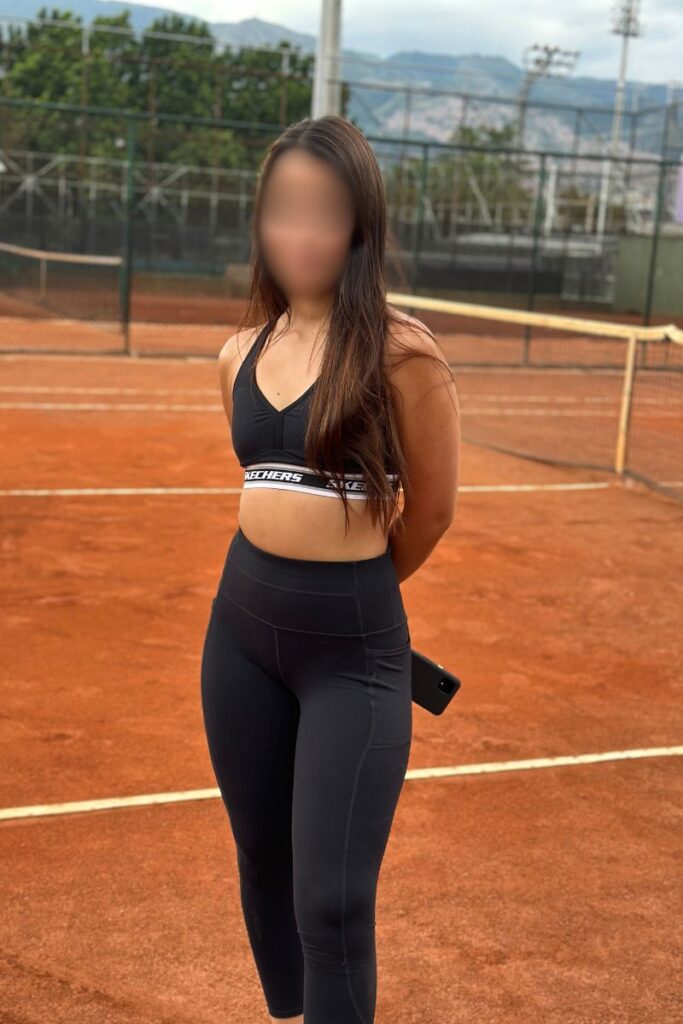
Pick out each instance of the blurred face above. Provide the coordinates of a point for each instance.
(306, 224)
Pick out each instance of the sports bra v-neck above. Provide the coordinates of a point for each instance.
(269, 442)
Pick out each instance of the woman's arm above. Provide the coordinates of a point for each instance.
(427, 410)
(228, 365)
(230, 358)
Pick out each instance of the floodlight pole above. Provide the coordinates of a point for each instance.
(326, 97)
(625, 25)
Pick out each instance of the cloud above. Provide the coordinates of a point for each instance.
(500, 28)
(495, 28)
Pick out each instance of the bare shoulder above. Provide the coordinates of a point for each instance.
(235, 350)
(408, 336)
(230, 358)
(414, 358)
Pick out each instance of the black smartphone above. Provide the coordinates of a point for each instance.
(433, 686)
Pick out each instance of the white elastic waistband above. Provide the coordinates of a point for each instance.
(285, 476)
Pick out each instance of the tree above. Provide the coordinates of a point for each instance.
(185, 75)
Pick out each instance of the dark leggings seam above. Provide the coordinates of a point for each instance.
(290, 590)
(312, 632)
(277, 656)
(347, 836)
(352, 802)
(390, 746)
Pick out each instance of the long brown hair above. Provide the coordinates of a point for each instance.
(351, 416)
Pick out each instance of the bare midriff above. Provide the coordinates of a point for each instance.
(298, 525)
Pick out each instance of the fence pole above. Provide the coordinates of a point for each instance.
(422, 190)
(125, 280)
(538, 210)
(649, 295)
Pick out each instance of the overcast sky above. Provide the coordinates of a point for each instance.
(492, 27)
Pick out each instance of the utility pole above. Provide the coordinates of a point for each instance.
(625, 24)
(326, 97)
(541, 60)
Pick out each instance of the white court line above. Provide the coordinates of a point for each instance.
(120, 358)
(606, 397)
(58, 389)
(492, 410)
(605, 371)
(50, 389)
(552, 400)
(591, 485)
(660, 410)
(112, 406)
(146, 799)
(69, 492)
(141, 357)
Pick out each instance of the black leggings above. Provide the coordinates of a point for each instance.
(305, 686)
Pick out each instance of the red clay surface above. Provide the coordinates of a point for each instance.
(546, 895)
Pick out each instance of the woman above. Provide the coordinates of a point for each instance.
(305, 676)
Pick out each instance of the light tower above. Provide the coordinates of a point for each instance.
(625, 24)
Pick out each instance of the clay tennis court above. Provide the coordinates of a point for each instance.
(533, 870)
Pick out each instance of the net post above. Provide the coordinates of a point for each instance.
(626, 405)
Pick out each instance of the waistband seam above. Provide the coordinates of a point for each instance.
(307, 632)
(289, 590)
(321, 564)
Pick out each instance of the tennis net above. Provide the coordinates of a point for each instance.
(565, 390)
(53, 299)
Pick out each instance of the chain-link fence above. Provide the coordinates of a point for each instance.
(132, 234)
(171, 198)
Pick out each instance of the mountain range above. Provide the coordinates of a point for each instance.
(424, 94)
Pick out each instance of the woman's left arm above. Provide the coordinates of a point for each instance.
(427, 410)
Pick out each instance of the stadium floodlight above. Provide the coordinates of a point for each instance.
(625, 23)
(625, 18)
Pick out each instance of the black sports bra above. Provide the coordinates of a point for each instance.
(269, 442)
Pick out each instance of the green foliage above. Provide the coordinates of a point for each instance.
(455, 176)
(87, 65)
